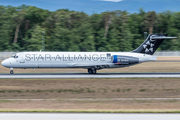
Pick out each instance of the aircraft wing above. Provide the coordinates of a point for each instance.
(97, 66)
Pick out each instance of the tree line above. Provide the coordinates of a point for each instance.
(21, 29)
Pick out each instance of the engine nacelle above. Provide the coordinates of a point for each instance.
(124, 60)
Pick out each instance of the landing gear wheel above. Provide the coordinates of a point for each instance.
(90, 71)
(94, 71)
(11, 72)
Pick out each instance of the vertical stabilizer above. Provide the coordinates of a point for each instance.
(152, 42)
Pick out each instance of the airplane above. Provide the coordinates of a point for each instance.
(92, 61)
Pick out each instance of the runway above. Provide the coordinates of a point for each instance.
(75, 99)
(86, 75)
(87, 116)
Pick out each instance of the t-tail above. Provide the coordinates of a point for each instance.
(151, 44)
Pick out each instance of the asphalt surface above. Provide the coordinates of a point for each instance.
(86, 75)
(74, 99)
(87, 116)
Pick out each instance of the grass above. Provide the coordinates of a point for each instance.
(73, 90)
(91, 88)
(172, 101)
(143, 90)
(5, 101)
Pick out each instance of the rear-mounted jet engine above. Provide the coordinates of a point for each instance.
(124, 60)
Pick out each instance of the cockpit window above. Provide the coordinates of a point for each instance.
(14, 56)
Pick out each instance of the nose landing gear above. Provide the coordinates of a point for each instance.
(11, 72)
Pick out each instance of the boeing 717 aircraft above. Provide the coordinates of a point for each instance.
(92, 61)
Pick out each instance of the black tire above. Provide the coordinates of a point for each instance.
(90, 71)
(11, 72)
(94, 71)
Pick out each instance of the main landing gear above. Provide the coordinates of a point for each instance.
(92, 71)
(11, 72)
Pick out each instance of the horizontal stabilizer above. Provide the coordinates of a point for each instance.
(162, 37)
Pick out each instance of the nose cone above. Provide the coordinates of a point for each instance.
(5, 63)
(2, 63)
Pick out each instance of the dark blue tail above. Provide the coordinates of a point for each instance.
(151, 44)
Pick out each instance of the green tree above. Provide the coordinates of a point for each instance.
(150, 21)
(35, 42)
(21, 29)
(113, 40)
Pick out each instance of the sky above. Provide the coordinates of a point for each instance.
(99, 6)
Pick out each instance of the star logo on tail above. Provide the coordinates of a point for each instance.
(148, 46)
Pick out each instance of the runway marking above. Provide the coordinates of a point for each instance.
(97, 76)
(88, 116)
(93, 99)
(85, 75)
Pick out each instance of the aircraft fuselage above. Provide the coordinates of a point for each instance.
(73, 59)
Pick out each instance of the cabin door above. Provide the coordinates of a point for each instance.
(21, 61)
(21, 58)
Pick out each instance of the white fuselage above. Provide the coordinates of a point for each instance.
(70, 59)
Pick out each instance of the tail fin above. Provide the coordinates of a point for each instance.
(152, 42)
